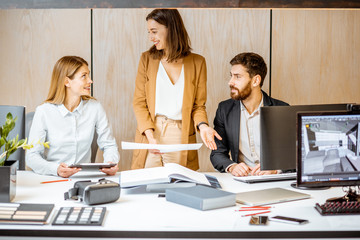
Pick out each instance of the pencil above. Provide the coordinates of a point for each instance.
(61, 180)
(252, 214)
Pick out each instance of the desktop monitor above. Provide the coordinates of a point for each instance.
(328, 149)
(278, 134)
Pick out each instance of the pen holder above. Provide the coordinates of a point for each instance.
(103, 191)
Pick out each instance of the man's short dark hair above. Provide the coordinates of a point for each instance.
(253, 62)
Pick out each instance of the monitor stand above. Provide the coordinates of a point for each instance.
(294, 185)
(350, 196)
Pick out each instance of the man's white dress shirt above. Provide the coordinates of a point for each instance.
(249, 142)
(249, 136)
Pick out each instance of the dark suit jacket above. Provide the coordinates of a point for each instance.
(227, 124)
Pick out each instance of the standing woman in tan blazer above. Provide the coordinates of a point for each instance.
(170, 94)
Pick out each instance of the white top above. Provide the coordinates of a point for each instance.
(249, 142)
(169, 96)
(70, 135)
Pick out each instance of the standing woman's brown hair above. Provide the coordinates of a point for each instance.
(177, 39)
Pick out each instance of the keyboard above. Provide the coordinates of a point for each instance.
(338, 208)
(92, 216)
(267, 178)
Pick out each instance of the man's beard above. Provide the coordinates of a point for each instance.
(241, 95)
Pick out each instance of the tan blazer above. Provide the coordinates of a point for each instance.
(193, 109)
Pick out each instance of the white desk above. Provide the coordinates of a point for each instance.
(146, 215)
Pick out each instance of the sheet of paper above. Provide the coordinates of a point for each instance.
(161, 147)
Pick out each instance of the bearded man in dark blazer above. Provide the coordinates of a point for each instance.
(237, 119)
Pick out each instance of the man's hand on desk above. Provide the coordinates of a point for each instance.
(256, 171)
(65, 171)
(110, 171)
(241, 170)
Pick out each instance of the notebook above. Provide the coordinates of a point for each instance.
(267, 178)
(170, 173)
(269, 196)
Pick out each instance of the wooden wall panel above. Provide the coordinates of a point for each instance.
(217, 34)
(316, 56)
(31, 41)
(119, 38)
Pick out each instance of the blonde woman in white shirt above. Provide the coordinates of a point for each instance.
(67, 119)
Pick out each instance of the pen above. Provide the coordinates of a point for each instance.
(252, 209)
(252, 214)
(255, 207)
(61, 180)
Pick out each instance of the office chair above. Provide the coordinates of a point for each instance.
(19, 112)
(94, 146)
(28, 121)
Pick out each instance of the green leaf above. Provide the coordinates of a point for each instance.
(21, 142)
(28, 146)
(2, 161)
(46, 144)
(10, 146)
(2, 141)
(12, 126)
(5, 131)
(9, 116)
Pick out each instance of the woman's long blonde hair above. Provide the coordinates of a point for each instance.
(66, 66)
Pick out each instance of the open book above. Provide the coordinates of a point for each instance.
(171, 172)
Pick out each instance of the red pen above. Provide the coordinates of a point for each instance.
(251, 209)
(255, 208)
(252, 214)
(54, 181)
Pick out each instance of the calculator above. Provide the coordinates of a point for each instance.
(92, 216)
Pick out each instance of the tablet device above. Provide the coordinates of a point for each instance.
(92, 165)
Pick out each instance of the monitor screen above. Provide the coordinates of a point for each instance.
(278, 134)
(328, 149)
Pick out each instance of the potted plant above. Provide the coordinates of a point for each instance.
(8, 167)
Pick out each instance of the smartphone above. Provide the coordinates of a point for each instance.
(258, 220)
(288, 220)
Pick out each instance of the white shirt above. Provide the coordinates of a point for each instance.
(169, 96)
(249, 142)
(70, 135)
